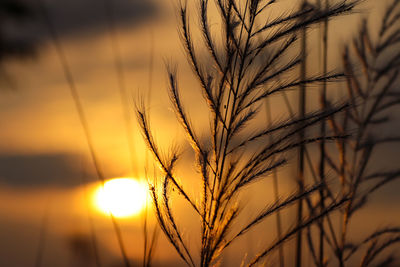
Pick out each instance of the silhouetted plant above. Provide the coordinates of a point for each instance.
(373, 92)
(322, 149)
(251, 64)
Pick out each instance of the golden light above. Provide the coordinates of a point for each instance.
(122, 197)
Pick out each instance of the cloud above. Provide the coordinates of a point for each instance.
(43, 170)
(76, 18)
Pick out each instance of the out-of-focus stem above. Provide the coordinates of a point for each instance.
(302, 110)
(323, 130)
(276, 191)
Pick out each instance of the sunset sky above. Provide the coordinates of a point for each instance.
(46, 172)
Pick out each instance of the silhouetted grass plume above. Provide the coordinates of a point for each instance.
(250, 64)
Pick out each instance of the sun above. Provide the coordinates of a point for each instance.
(122, 197)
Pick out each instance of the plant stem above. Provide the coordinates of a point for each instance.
(93, 237)
(42, 235)
(81, 115)
(302, 110)
(146, 251)
(323, 130)
(276, 190)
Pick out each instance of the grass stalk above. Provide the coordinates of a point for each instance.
(370, 93)
(149, 243)
(93, 235)
(276, 191)
(42, 236)
(323, 128)
(82, 117)
(302, 111)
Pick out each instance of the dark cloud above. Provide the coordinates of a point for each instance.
(77, 16)
(49, 170)
(72, 18)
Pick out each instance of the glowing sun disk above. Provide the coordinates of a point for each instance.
(123, 197)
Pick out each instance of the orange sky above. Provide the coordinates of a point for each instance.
(39, 119)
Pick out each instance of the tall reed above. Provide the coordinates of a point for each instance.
(81, 114)
(373, 94)
(249, 65)
(322, 148)
(302, 114)
(276, 189)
